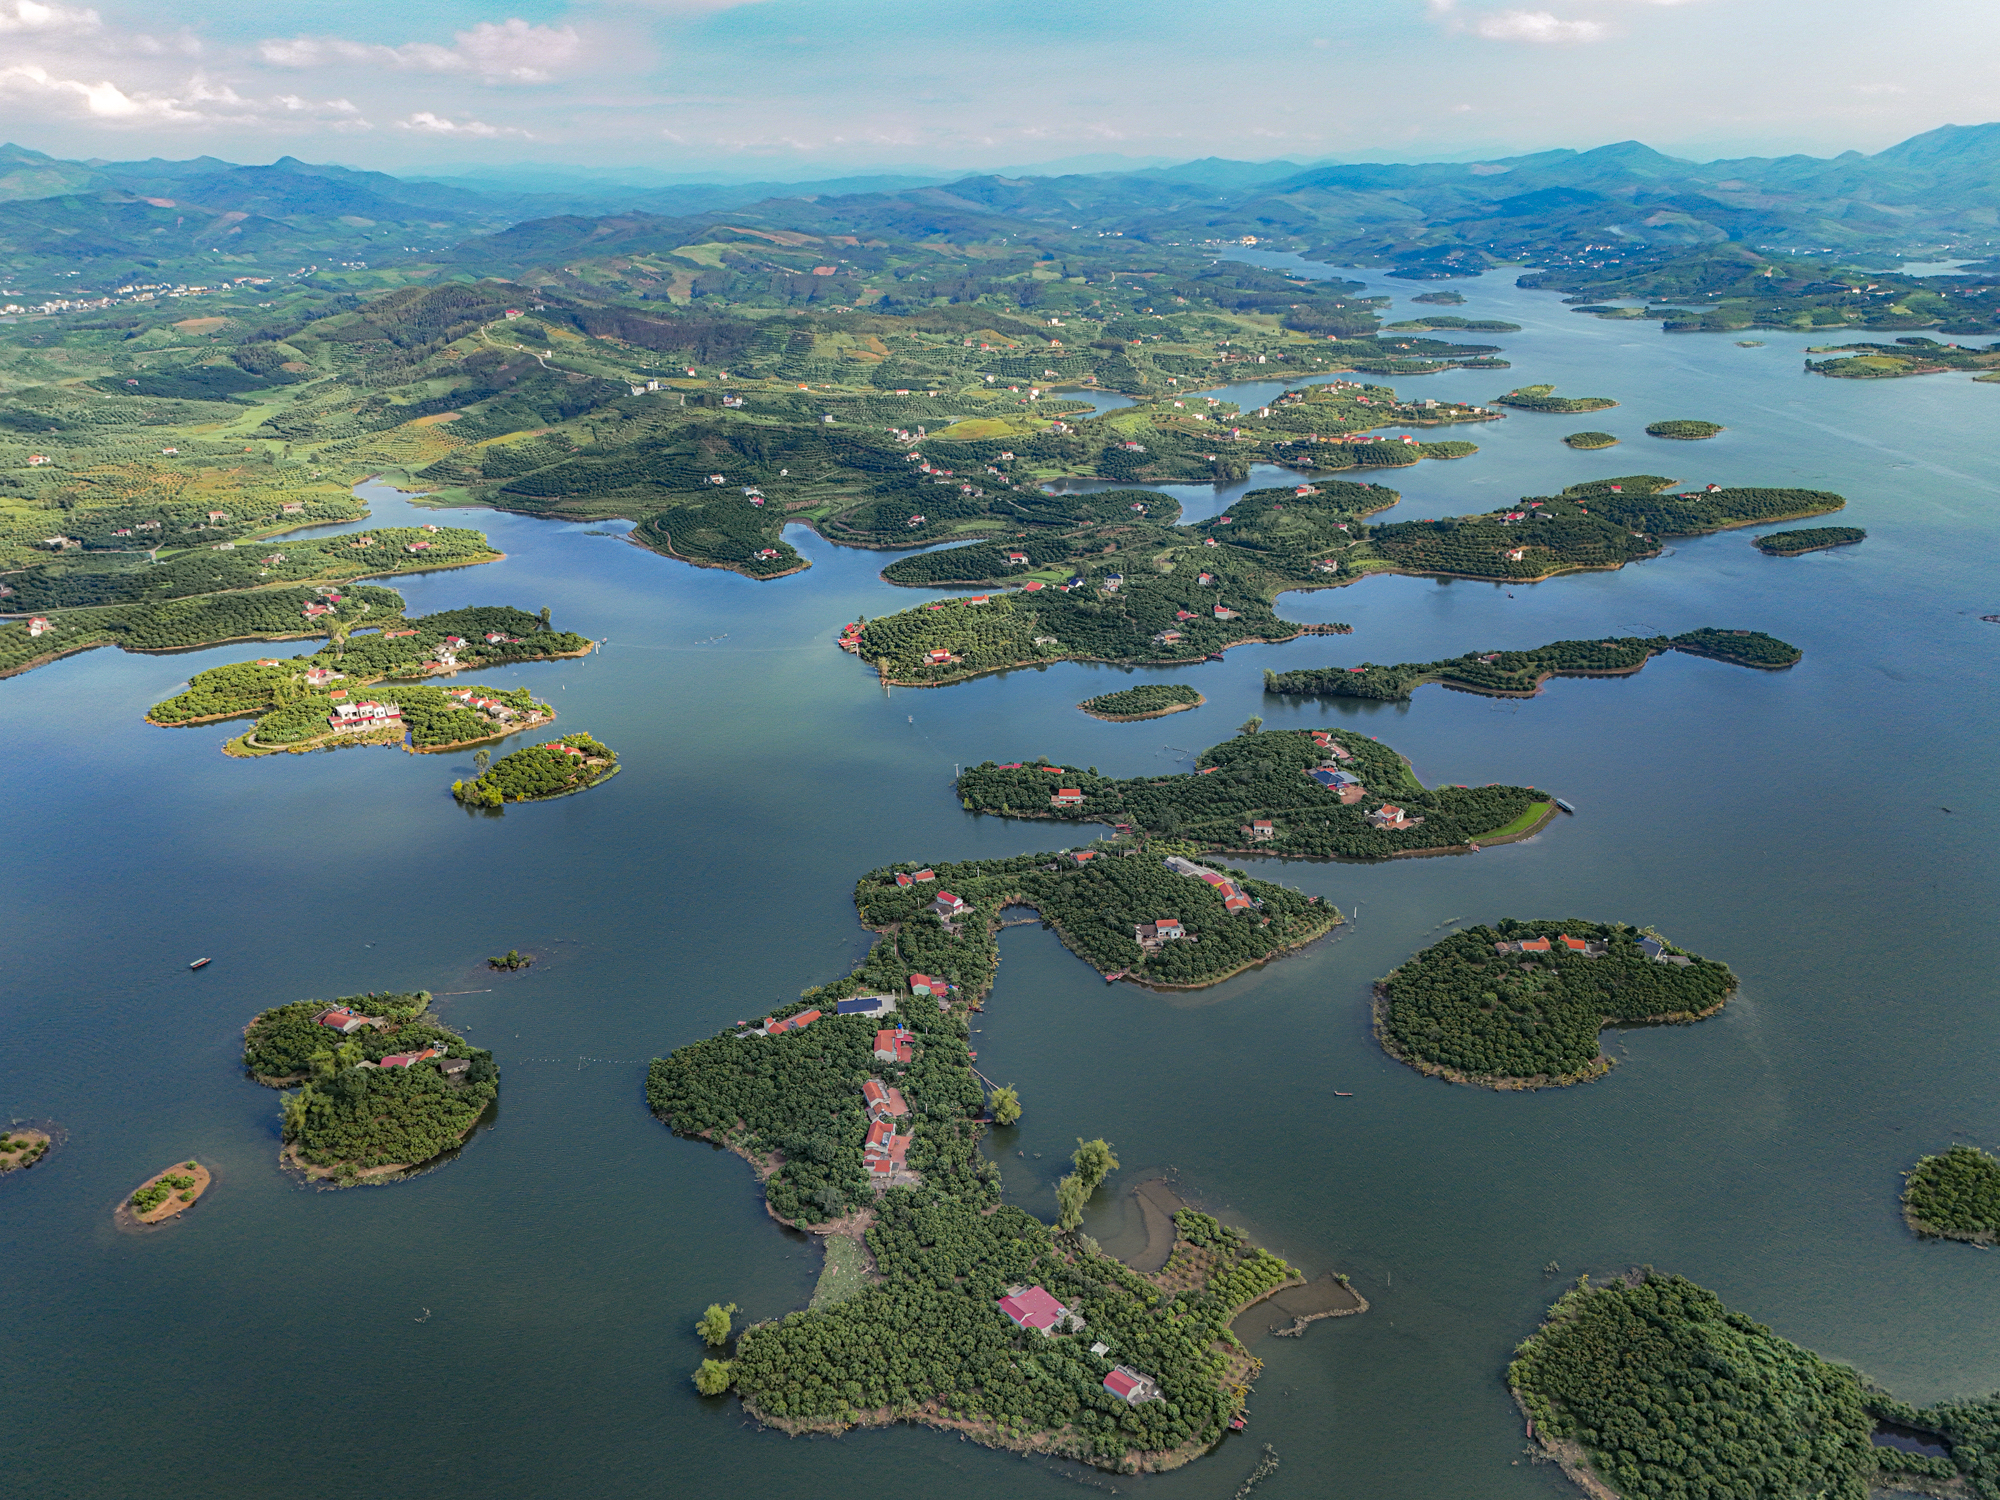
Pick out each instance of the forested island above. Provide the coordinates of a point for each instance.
(383, 1085)
(1808, 539)
(957, 1310)
(1913, 355)
(210, 595)
(1544, 398)
(1586, 441)
(1520, 674)
(1519, 1005)
(1313, 794)
(1685, 431)
(1146, 593)
(1148, 702)
(1955, 1196)
(574, 763)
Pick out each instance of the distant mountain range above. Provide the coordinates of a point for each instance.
(1933, 193)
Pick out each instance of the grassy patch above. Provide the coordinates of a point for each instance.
(843, 1276)
(1535, 812)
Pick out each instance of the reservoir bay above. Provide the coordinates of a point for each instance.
(525, 1310)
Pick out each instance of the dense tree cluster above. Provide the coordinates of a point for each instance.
(1686, 431)
(1544, 398)
(1808, 539)
(1525, 671)
(1465, 1010)
(1668, 1393)
(1153, 698)
(1968, 1430)
(540, 771)
(1955, 1195)
(350, 1114)
(1262, 776)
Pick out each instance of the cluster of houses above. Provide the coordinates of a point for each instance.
(1234, 897)
(1560, 943)
(885, 1148)
(493, 708)
(347, 1021)
(352, 716)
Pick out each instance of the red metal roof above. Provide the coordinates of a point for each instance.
(1120, 1384)
(1033, 1308)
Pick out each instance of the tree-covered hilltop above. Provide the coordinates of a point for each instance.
(1745, 648)
(1478, 1007)
(1907, 356)
(394, 648)
(1955, 1196)
(1544, 398)
(571, 764)
(1147, 702)
(1518, 673)
(1686, 431)
(360, 1110)
(1808, 539)
(924, 1339)
(1651, 1387)
(1268, 777)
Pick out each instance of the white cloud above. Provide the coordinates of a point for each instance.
(1537, 26)
(510, 51)
(198, 102)
(28, 15)
(429, 124)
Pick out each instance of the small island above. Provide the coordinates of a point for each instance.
(1808, 539)
(1544, 398)
(1317, 794)
(1440, 299)
(860, 1109)
(1519, 1005)
(512, 961)
(1436, 323)
(1914, 355)
(384, 1087)
(165, 1194)
(1587, 441)
(574, 763)
(1649, 1375)
(1520, 674)
(1955, 1196)
(22, 1147)
(1684, 431)
(1142, 703)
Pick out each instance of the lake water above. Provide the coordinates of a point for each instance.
(518, 1321)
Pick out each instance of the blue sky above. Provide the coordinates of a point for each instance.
(798, 87)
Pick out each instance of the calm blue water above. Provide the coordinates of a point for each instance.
(522, 1315)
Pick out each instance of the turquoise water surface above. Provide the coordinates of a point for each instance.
(518, 1322)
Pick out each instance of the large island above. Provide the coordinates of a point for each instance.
(861, 1111)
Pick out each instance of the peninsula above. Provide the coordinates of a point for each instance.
(574, 763)
(861, 1111)
(1145, 593)
(1301, 793)
(1544, 398)
(1808, 539)
(1150, 702)
(1519, 1005)
(1520, 674)
(164, 1194)
(1914, 355)
(1955, 1196)
(384, 1087)
(211, 595)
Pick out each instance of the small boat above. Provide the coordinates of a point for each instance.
(1338, 1095)
(1238, 1422)
(1565, 807)
(199, 962)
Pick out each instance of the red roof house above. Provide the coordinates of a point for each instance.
(1535, 945)
(1130, 1386)
(406, 1059)
(1031, 1307)
(947, 905)
(345, 1021)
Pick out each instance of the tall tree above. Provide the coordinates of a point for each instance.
(714, 1325)
(1094, 1162)
(1006, 1105)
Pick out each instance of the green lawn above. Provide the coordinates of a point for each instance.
(1527, 820)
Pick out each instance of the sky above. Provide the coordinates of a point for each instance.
(791, 88)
